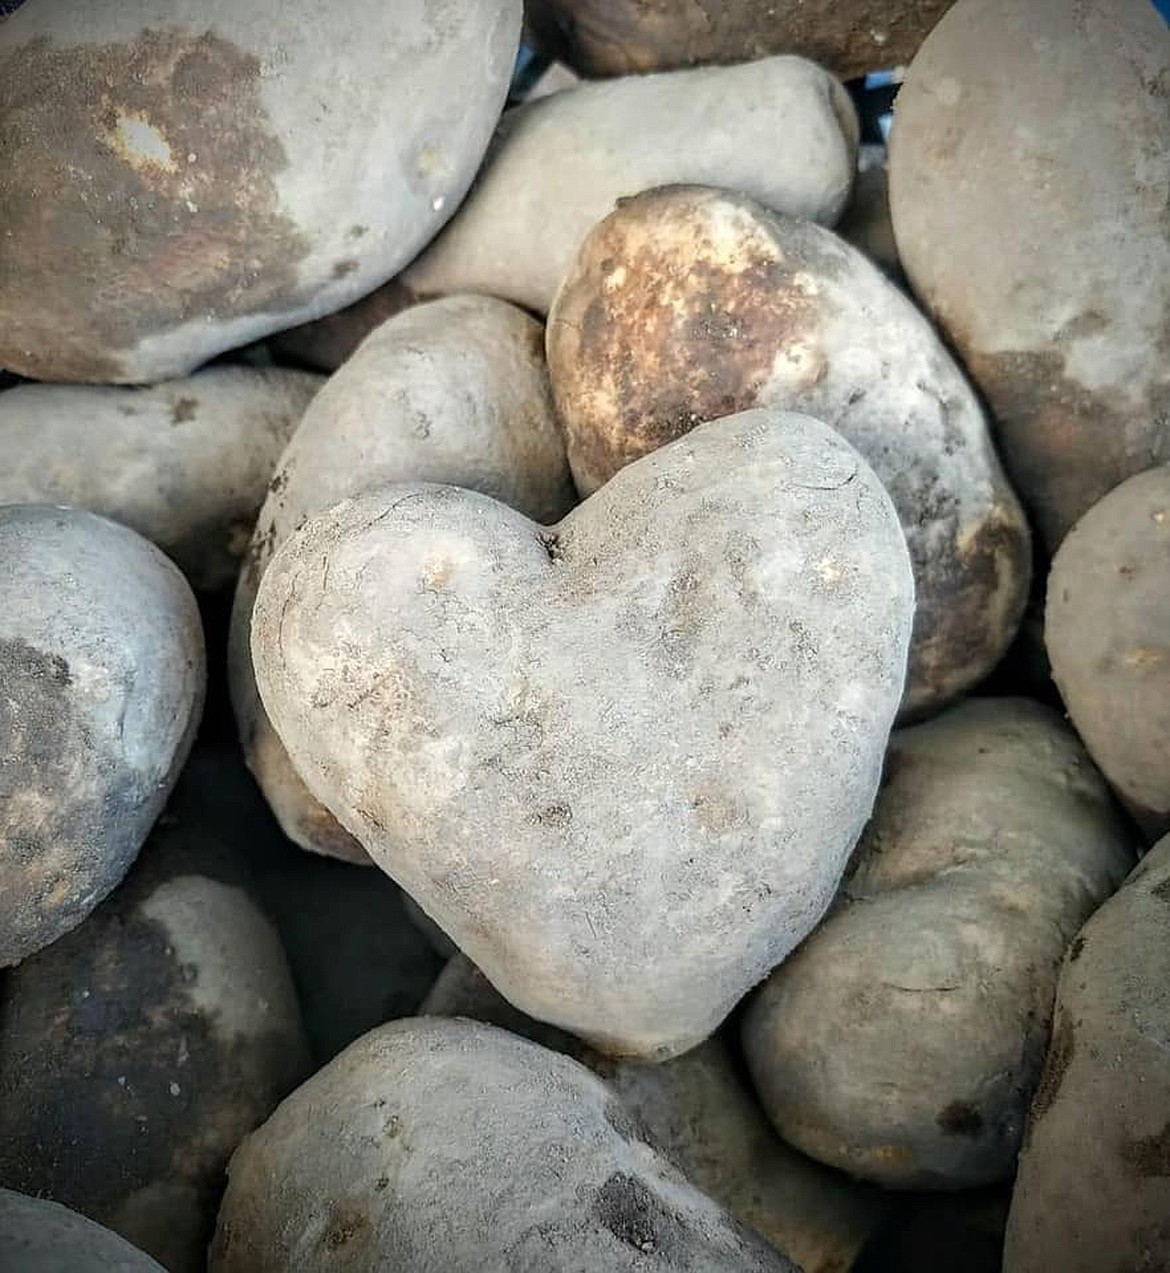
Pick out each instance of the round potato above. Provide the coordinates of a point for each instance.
(1107, 631)
(455, 391)
(689, 303)
(185, 464)
(699, 1110)
(182, 180)
(37, 1236)
(781, 129)
(621, 761)
(1093, 1187)
(451, 1146)
(616, 37)
(102, 674)
(139, 1050)
(903, 1041)
(1030, 217)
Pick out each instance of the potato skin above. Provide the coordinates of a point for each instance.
(103, 673)
(454, 391)
(782, 129)
(1092, 1192)
(903, 1041)
(618, 37)
(689, 303)
(1107, 632)
(722, 629)
(182, 183)
(139, 1050)
(701, 1113)
(185, 464)
(38, 1236)
(553, 1174)
(999, 156)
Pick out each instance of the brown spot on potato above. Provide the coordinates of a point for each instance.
(344, 268)
(183, 410)
(1074, 951)
(635, 1216)
(960, 1119)
(1061, 1050)
(346, 1226)
(1150, 1155)
(146, 198)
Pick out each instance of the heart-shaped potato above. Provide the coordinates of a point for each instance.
(621, 761)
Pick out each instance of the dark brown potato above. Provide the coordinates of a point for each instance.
(615, 37)
(1107, 630)
(1029, 183)
(1093, 1190)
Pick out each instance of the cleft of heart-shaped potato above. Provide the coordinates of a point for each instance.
(622, 761)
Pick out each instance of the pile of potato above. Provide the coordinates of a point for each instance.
(584, 671)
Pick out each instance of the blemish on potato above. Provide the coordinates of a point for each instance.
(1150, 1155)
(344, 268)
(960, 1119)
(1060, 1054)
(183, 410)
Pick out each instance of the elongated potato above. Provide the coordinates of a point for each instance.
(1093, 1187)
(455, 391)
(183, 179)
(689, 303)
(185, 464)
(139, 1050)
(1030, 218)
(621, 760)
(1107, 631)
(38, 1236)
(903, 1041)
(700, 1111)
(102, 676)
(781, 129)
(616, 37)
(452, 1147)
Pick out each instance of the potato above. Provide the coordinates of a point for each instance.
(1093, 1188)
(102, 675)
(1107, 631)
(183, 180)
(620, 761)
(689, 303)
(703, 1116)
(138, 1051)
(902, 1042)
(781, 129)
(37, 1236)
(455, 391)
(614, 37)
(185, 464)
(450, 1146)
(1030, 217)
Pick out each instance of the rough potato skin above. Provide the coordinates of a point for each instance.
(619, 37)
(699, 1110)
(622, 760)
(102, 669)
(139, 1050)
(903, 1041)
(999, 157)
(689, 303)
(451, 1147)
(454, 391)
(1107, 632)
(782, 129)
(186, 464)
(1092, 1192)
(183, 179)
(38, 1236)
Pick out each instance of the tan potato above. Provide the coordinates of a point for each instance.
(690, 303)
(181, 181)
(781, 129)
(1030, 216)
(1107, 631)
(139, 1050)
(700, 1112)
(455, 391)
(185, 464)
(1093, 1187)
(903, 1041)
(616, 37)
(38, 1236)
